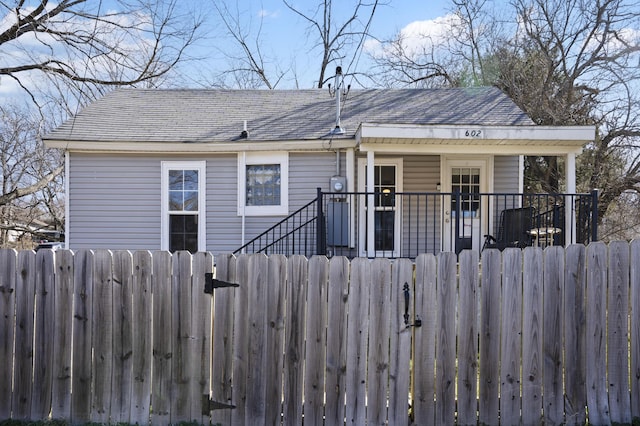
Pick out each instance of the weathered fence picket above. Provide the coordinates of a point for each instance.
(532, 337)
(468, 339)
(618, 333)
(516, 337)
(141, 336)
(222, 357)
(596, 342)
(490, 311)
(553, 365)
(62, 334)
(634, 298)
(7, 327)
(574, 309)
(425, 341)
(336, 356)
(510, 342)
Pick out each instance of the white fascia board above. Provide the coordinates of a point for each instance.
(553, 150)
(575, 134)
(181, 148)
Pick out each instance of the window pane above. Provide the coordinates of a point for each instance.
(263, 185)
(175, 200)
(191, 201)
(190, 180)
(388, 175)
(183, 233)
(175, 180)
(191, 224)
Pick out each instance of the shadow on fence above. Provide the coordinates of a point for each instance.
(517, 337)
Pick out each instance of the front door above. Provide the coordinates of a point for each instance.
(464, 208)
(387, 182)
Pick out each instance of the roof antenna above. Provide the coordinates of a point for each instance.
(339, 92)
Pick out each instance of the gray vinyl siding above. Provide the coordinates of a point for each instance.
(114, 202)
(421, 213)
(224, 226)
(506, 171)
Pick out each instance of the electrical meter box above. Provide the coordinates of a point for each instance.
(338, 184)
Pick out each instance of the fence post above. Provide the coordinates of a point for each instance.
(321, 242)
(594, 215)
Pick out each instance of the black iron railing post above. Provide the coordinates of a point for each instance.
(594, 215)
(321, 242)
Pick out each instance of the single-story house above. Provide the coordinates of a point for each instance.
(295, 171)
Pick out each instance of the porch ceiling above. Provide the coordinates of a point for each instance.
(437, 139)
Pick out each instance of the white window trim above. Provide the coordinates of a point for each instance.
(201, 167)
(256, 158)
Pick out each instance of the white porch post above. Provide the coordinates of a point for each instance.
(371, 246)
(569, 211)
(351, 187)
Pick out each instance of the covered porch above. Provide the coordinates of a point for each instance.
(480, 186)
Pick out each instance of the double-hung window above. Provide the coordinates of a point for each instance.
(183, 206)
(263, 184)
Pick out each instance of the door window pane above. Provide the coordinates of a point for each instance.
(466, 182)
(384, 232)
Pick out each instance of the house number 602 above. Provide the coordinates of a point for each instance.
(473, 133)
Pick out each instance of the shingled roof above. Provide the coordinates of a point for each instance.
(196, 115)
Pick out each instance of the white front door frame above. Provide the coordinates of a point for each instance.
(366, 243)
(447, 163)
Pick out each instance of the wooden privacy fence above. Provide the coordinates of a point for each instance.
(518, 337)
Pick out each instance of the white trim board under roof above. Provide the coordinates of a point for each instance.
(437, 139)
(524, 140)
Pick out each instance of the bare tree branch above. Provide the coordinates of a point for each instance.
(143, 41)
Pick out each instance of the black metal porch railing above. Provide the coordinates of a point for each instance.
(295, 234)
(408, 224)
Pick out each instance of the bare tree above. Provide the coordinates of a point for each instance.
(588, 52)
(89, 46)
(31, 179)
(445, 52)
(564, 62)
(250, 68)
(335, 39)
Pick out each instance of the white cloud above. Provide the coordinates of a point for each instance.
(418, 36)
(421, 35)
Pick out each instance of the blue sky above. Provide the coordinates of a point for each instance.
(284, 35)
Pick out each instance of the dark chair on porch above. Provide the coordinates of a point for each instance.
(513, 229)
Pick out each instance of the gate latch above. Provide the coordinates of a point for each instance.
(211, 283)
(418, 322)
